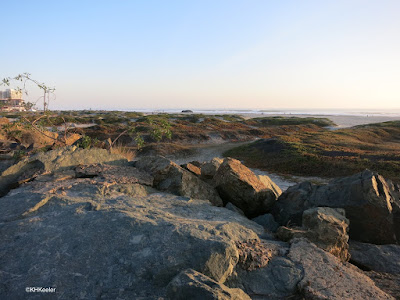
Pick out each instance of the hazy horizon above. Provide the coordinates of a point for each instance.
(159, 55)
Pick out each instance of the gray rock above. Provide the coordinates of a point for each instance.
(209, 169)
(291, 204)
(278, 280)
(190, 284)
(366, 197)
(327, 228)
(172, 178)
(239, 185)
(56, 160)
(387, 282)
(325, 277)
(232, 207)
(120, 174)
(267, 221)
(89, 241)
(380, 258)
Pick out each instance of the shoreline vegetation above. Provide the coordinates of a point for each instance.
(286, 145)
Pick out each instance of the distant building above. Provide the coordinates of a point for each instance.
(11, 100)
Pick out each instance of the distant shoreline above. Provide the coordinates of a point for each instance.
(342, 120)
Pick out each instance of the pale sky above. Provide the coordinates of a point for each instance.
(224, 54)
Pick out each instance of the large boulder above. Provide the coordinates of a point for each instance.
(366, 197)
(326, 277)
(325, 227)
(56, 160)
(170, 177)
(380, 258)
(239, 185)
(89, 243)
(264, 272)
(277, 280)
(292, 203)
(190, 284)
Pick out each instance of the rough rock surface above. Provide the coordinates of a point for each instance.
(60, 159)
(325, 227)
(270, 185)
(90, 243)
(209, 169)
(276, 278)
(102, 231)
(192, 168)
(120, 174)
(366, 197)
(267, 221)
(170, 177)
(190, 284)
(292, 203)
(325, 277)
(387, 282)
(380, 258)
(239, 185)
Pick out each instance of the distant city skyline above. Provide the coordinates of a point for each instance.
(207, 54)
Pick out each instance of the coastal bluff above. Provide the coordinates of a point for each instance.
(94, 225)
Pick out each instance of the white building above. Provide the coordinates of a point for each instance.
(11, 100)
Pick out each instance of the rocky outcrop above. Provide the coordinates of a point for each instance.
(239, 185)
(366, 197)
(190, 284)
(107, 231)
(325, 227)
(56, 160)
(107, 244)
(325, 277)
(170, 177)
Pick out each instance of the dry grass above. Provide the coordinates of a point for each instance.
(123, 151)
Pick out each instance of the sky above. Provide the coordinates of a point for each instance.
(218, 54)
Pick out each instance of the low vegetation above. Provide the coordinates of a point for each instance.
(286, 145)
(328, 153)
